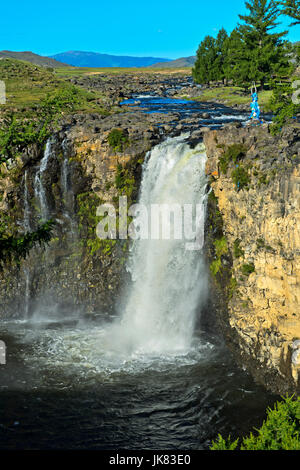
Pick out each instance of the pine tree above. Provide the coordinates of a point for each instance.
(221, 51)
(262, 54)
(291, 8)
(204, 70)
(237, 65)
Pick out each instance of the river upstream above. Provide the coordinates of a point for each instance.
(152, 377)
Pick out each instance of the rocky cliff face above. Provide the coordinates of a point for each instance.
(254, 228)
(79, 168)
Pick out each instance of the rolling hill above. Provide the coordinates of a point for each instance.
(178, 63)
(95, 59)
(32, 58)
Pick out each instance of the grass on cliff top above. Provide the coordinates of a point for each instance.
(234, 95)
(28, 85)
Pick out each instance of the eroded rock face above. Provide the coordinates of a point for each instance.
(81, 171)
(261, 223)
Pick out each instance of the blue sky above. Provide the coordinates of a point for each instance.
(169, 29)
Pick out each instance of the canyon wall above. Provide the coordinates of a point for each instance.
(254, 229)
(79, 168)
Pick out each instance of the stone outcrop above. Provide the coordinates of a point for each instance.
(255, 179)
(83, 170)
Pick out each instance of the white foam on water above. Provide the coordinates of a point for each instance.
(157, 321)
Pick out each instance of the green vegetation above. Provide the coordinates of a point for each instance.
(36, 99)
(14, 248)
(253, 53)
(221, 249)
(28, 86)
(283, 105)
(232, 155)
(68, 72)
(233, 284)
(237, 251)
(280, 431)
(291, 8)
(88, 220)
(125, 182)
(241, 178)
(233, 95)
(248, 269)
(118, 139)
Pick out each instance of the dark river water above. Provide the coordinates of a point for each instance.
(58, 392)
(65, 385)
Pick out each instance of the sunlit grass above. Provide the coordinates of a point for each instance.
(233, 95)
(27, 85)
(79, 71)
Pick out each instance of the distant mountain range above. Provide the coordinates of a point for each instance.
(33, 58)
(95, 59)
(178, 63)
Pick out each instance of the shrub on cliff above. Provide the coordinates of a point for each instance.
(117, 139)
(232, 154)
(240, 177)
(280, 431)
(13, 248)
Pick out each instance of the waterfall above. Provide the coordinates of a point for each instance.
(169, 281)
(39, 186)
(27, 228)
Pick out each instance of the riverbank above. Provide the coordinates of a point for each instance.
(234, 97)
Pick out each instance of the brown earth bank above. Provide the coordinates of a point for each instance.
(253, 245)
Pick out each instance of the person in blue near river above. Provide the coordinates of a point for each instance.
(254, 106)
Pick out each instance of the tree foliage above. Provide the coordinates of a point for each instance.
(261, 52)
(291, 8)
(252, 52)
(283, 106)
(14, 248)
(280, 431)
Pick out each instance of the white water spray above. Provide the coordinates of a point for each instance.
(39, 187)
(169, 282)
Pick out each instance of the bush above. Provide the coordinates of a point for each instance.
(248, 269)
(280, 431)
(240, 177)
(232, 154)
(282, 105)
(237, 251)
(221, 247)
(117, 139)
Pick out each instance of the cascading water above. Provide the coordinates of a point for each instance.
(27, 227)
(39, 187)
(169, 281)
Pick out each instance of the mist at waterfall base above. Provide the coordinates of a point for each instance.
(150, 378)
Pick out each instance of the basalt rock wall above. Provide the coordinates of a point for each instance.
(78, 169)
(254, 251)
